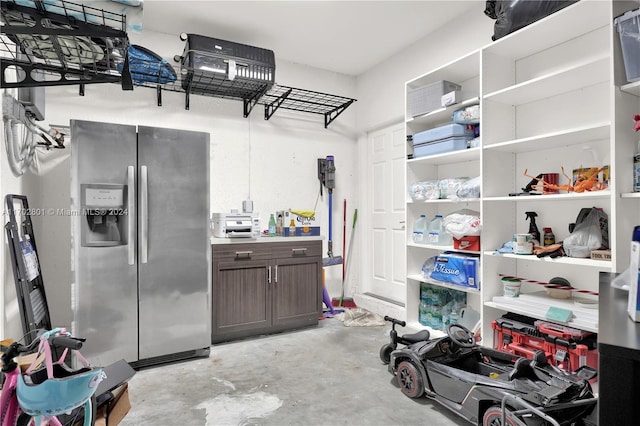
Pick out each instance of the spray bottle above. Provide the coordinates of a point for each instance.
(533, 228)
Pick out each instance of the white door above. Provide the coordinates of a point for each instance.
(385, 260)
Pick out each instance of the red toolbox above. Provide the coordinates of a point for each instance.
(565, 347)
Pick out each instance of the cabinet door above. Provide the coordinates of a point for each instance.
(241, 299)
(297, 291)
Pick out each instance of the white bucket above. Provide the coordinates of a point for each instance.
(522, 244)
(511, 287)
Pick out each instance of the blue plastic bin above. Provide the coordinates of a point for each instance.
(451, 137)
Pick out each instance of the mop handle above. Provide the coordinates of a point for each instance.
(330, 218)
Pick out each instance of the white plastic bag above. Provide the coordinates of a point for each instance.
(585, 238)
(469, 189)
(459, 224)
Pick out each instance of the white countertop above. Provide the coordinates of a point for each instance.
(215, 240)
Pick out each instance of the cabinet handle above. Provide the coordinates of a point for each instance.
(269, 275)
(300, 251)
(246, 254)
(275, 281)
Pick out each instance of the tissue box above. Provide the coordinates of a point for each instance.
(458, 269)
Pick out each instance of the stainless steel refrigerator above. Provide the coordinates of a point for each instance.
(141, 257)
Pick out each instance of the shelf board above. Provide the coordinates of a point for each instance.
(440, 248)
(446, 201)
(571, 196)
(632, 88)
(456, 71)
(418, 277)
(448, 157)
(577, 76)
(573, 136)
(537, 304)
(630, 195)
(440, 115)
(564, 260)
(568, 23)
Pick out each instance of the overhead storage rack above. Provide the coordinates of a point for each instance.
(55, 42)
(285, 97)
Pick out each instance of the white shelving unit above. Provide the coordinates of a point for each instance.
(463, 163)
(553, 97)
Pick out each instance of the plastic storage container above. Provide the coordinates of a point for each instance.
(628, 27)
(212, 66)
(451, 137)
(425, 99)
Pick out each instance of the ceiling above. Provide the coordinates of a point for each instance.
(347, 37)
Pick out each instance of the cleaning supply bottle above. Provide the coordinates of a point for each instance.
(292, 228)
(636, 169)
(272, 226)
(420, 230)
(533, 228)
(549, 238)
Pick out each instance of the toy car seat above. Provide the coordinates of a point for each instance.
(521, 368)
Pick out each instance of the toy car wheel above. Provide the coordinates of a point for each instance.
(409, 379)
(385, 353)
(493, 417)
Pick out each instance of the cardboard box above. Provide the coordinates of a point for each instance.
(112, 413)
(25, 361)
(304, 231)
(601, 254)
(468, 242)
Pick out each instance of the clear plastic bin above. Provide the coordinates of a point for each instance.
(628, 26)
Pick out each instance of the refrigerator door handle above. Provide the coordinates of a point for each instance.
(144, 215)
(131, 234)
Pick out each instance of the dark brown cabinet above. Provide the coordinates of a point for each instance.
(265, 287)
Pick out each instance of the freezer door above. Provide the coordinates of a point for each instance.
(174, 249)
(104, 270)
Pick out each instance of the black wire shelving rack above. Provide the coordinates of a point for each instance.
(330, 106)
(55, 42)
(58, 42)
(272, 97)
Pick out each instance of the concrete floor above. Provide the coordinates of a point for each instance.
(326, 375)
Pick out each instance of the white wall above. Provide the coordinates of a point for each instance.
(380, 91)
(272, 162)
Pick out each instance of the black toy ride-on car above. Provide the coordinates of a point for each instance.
(492, 388)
